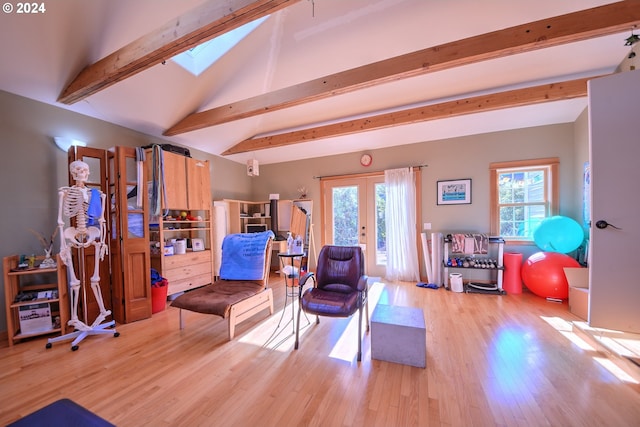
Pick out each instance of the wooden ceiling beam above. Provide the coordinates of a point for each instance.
(180, 34)
(476, 104)
(600, 21)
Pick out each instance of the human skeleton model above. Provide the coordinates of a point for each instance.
(75, 202)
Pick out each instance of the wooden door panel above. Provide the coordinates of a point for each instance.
(129, 241)
(175, 181)
(198, 187)
(136, 268)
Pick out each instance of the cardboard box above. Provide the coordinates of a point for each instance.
(35, 318)
(578, 279)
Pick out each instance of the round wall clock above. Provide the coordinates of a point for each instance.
(366, 160)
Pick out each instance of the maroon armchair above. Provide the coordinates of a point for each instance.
(340, 288)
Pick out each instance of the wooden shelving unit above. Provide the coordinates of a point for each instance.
(496, 252)
(20, 281)
(191, 269)
(187, 190)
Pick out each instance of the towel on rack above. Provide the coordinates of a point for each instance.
(469, 243)
(244, 255)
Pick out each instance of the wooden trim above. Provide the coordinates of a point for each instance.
(554, 208)
(200, 24)
(360, 175)
(477, 104)
(525, 163)
(493, 206)
(573, 27)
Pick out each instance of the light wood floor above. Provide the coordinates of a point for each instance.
(491, 361)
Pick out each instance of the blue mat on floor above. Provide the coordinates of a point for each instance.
(62, 413)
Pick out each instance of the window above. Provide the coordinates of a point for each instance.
(201, 57)
(523, 193)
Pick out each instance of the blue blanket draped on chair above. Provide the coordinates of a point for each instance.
(243, 255)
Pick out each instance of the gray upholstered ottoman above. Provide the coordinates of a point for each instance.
(398, 334)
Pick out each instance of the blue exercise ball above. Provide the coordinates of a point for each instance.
(558, 234)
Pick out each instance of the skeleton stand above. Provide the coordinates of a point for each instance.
(74, 202)
(84, 331)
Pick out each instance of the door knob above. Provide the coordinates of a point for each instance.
(602, 224)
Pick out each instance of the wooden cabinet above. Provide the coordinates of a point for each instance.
(174, 194)
(186, 182)
(186, 269)
(20, 295)
(181, 246)
(198, 184)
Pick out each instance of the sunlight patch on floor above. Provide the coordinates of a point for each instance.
(277, 332)
(615, 370)
(346, 348)
(566, 329)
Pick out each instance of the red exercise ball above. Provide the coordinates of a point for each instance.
(543, 274)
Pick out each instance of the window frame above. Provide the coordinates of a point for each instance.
(551, 191)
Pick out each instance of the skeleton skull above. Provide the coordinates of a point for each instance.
(79, 170)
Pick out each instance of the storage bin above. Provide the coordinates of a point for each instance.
(455, 282)
(180, 247)
(159, 296)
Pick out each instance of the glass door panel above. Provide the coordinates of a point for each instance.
(353, 207)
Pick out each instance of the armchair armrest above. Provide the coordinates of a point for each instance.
(305, 277)
(362, 282)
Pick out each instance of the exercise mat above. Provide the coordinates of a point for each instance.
(482, 288)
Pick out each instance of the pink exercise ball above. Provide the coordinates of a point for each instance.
(543, 274)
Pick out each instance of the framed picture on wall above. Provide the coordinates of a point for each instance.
(454, 192)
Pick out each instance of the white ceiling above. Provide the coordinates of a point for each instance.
(42, 53)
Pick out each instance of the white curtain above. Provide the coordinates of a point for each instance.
(402, 253)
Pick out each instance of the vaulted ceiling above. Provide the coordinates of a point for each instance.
(318, 77)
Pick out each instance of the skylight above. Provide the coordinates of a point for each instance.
(201, 57)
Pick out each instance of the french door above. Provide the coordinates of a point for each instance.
(354, 214)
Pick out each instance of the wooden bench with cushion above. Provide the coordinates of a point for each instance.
(233, 299)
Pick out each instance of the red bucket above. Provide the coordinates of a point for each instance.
(159, 296)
